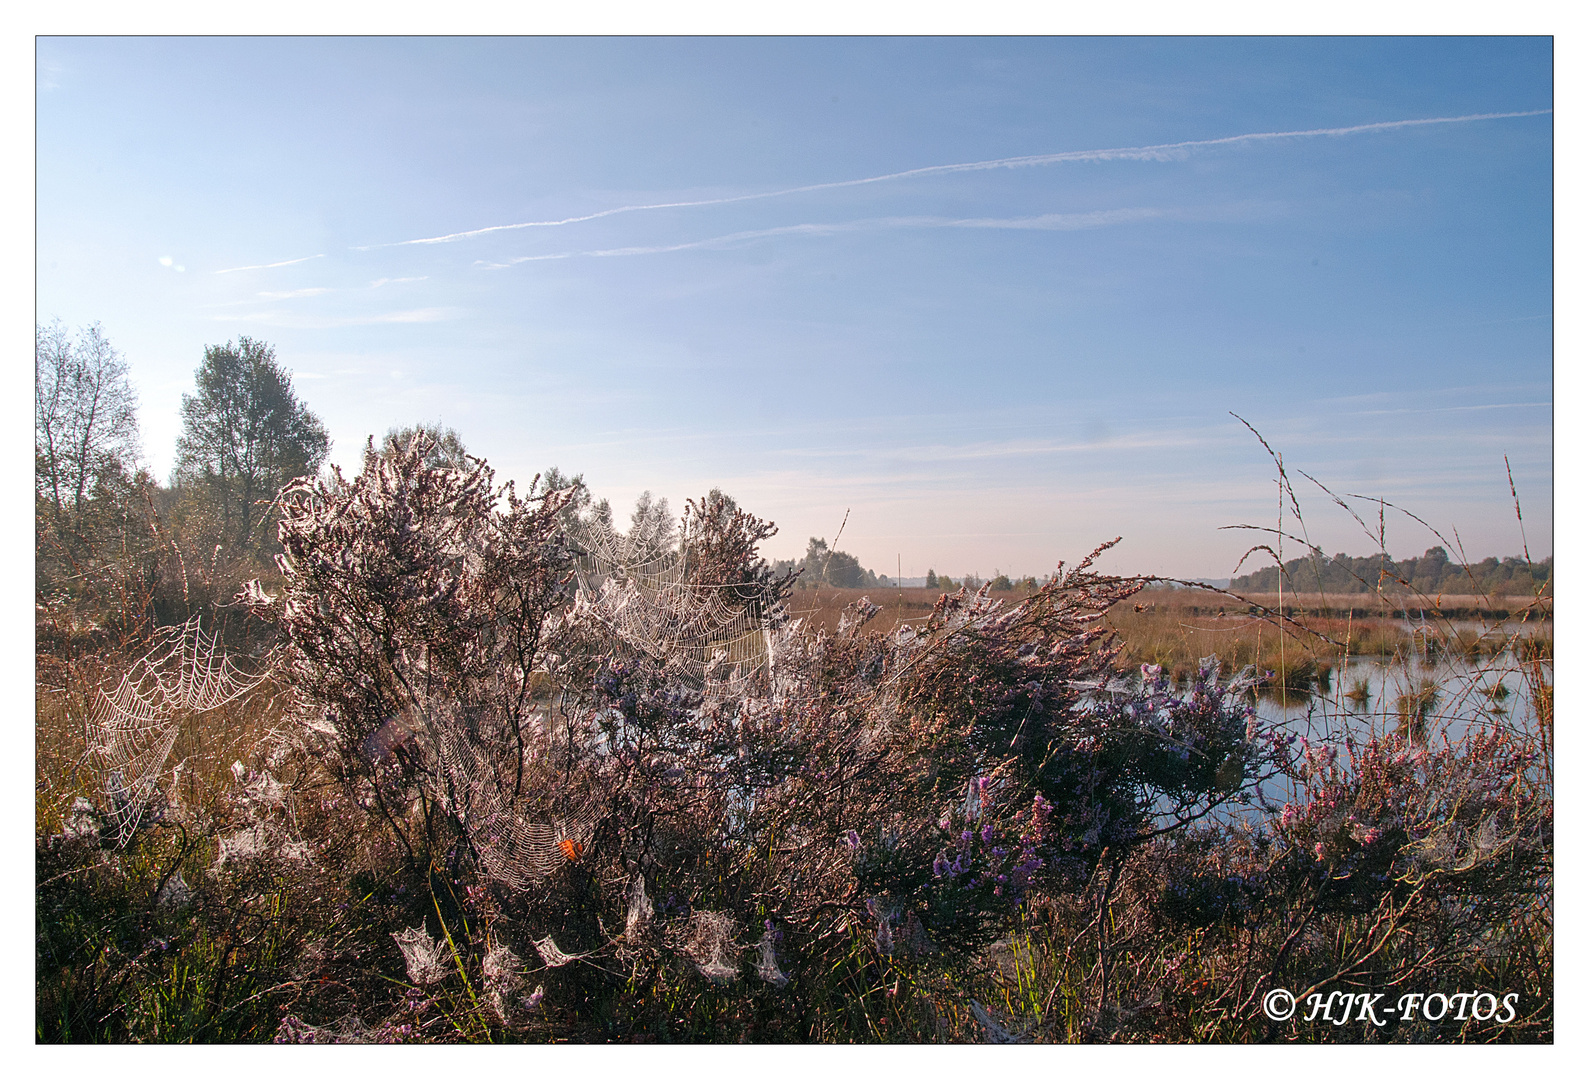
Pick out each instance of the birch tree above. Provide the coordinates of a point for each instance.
(85, 417)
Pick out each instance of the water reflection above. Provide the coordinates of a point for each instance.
(1426, 699)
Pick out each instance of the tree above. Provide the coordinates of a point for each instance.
(580, 509)
(85, 418)
(446, 449)
(830, 566)
(245, 434)
(652, 525)
(93, 570)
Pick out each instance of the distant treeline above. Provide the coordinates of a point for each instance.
(823, 565)
(1432, 574)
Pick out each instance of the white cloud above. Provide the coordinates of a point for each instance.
(417, 315)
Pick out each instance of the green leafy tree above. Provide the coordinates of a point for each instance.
(1430, 574)
(580, 509)
(245, 435)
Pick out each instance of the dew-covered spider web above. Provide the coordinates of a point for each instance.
(644, 597)
(422, 954)
(767, 963)
(552, 956)
(132, 729)
(523, 835)
(709, 942)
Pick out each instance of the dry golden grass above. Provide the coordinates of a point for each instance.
(820, 607)
(1366, 605)
(1178, 627)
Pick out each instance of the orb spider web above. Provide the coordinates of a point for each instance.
(132, 730)
(644, 597)
(522, 840)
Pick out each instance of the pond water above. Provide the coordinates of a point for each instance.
(1446, 698)
(1371, 696)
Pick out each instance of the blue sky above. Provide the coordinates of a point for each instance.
(993, 367)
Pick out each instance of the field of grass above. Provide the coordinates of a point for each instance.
(820, 608)
(1177, 628)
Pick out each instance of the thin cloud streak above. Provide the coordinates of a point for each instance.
(1159, 152)
(269, 266)
(1092, 219)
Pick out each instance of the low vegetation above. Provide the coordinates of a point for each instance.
(462, 764)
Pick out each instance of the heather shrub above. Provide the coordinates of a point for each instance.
(581, 765)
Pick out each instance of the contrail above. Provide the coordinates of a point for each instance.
(269, 266)
(1159, 152)
(1091, 219)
